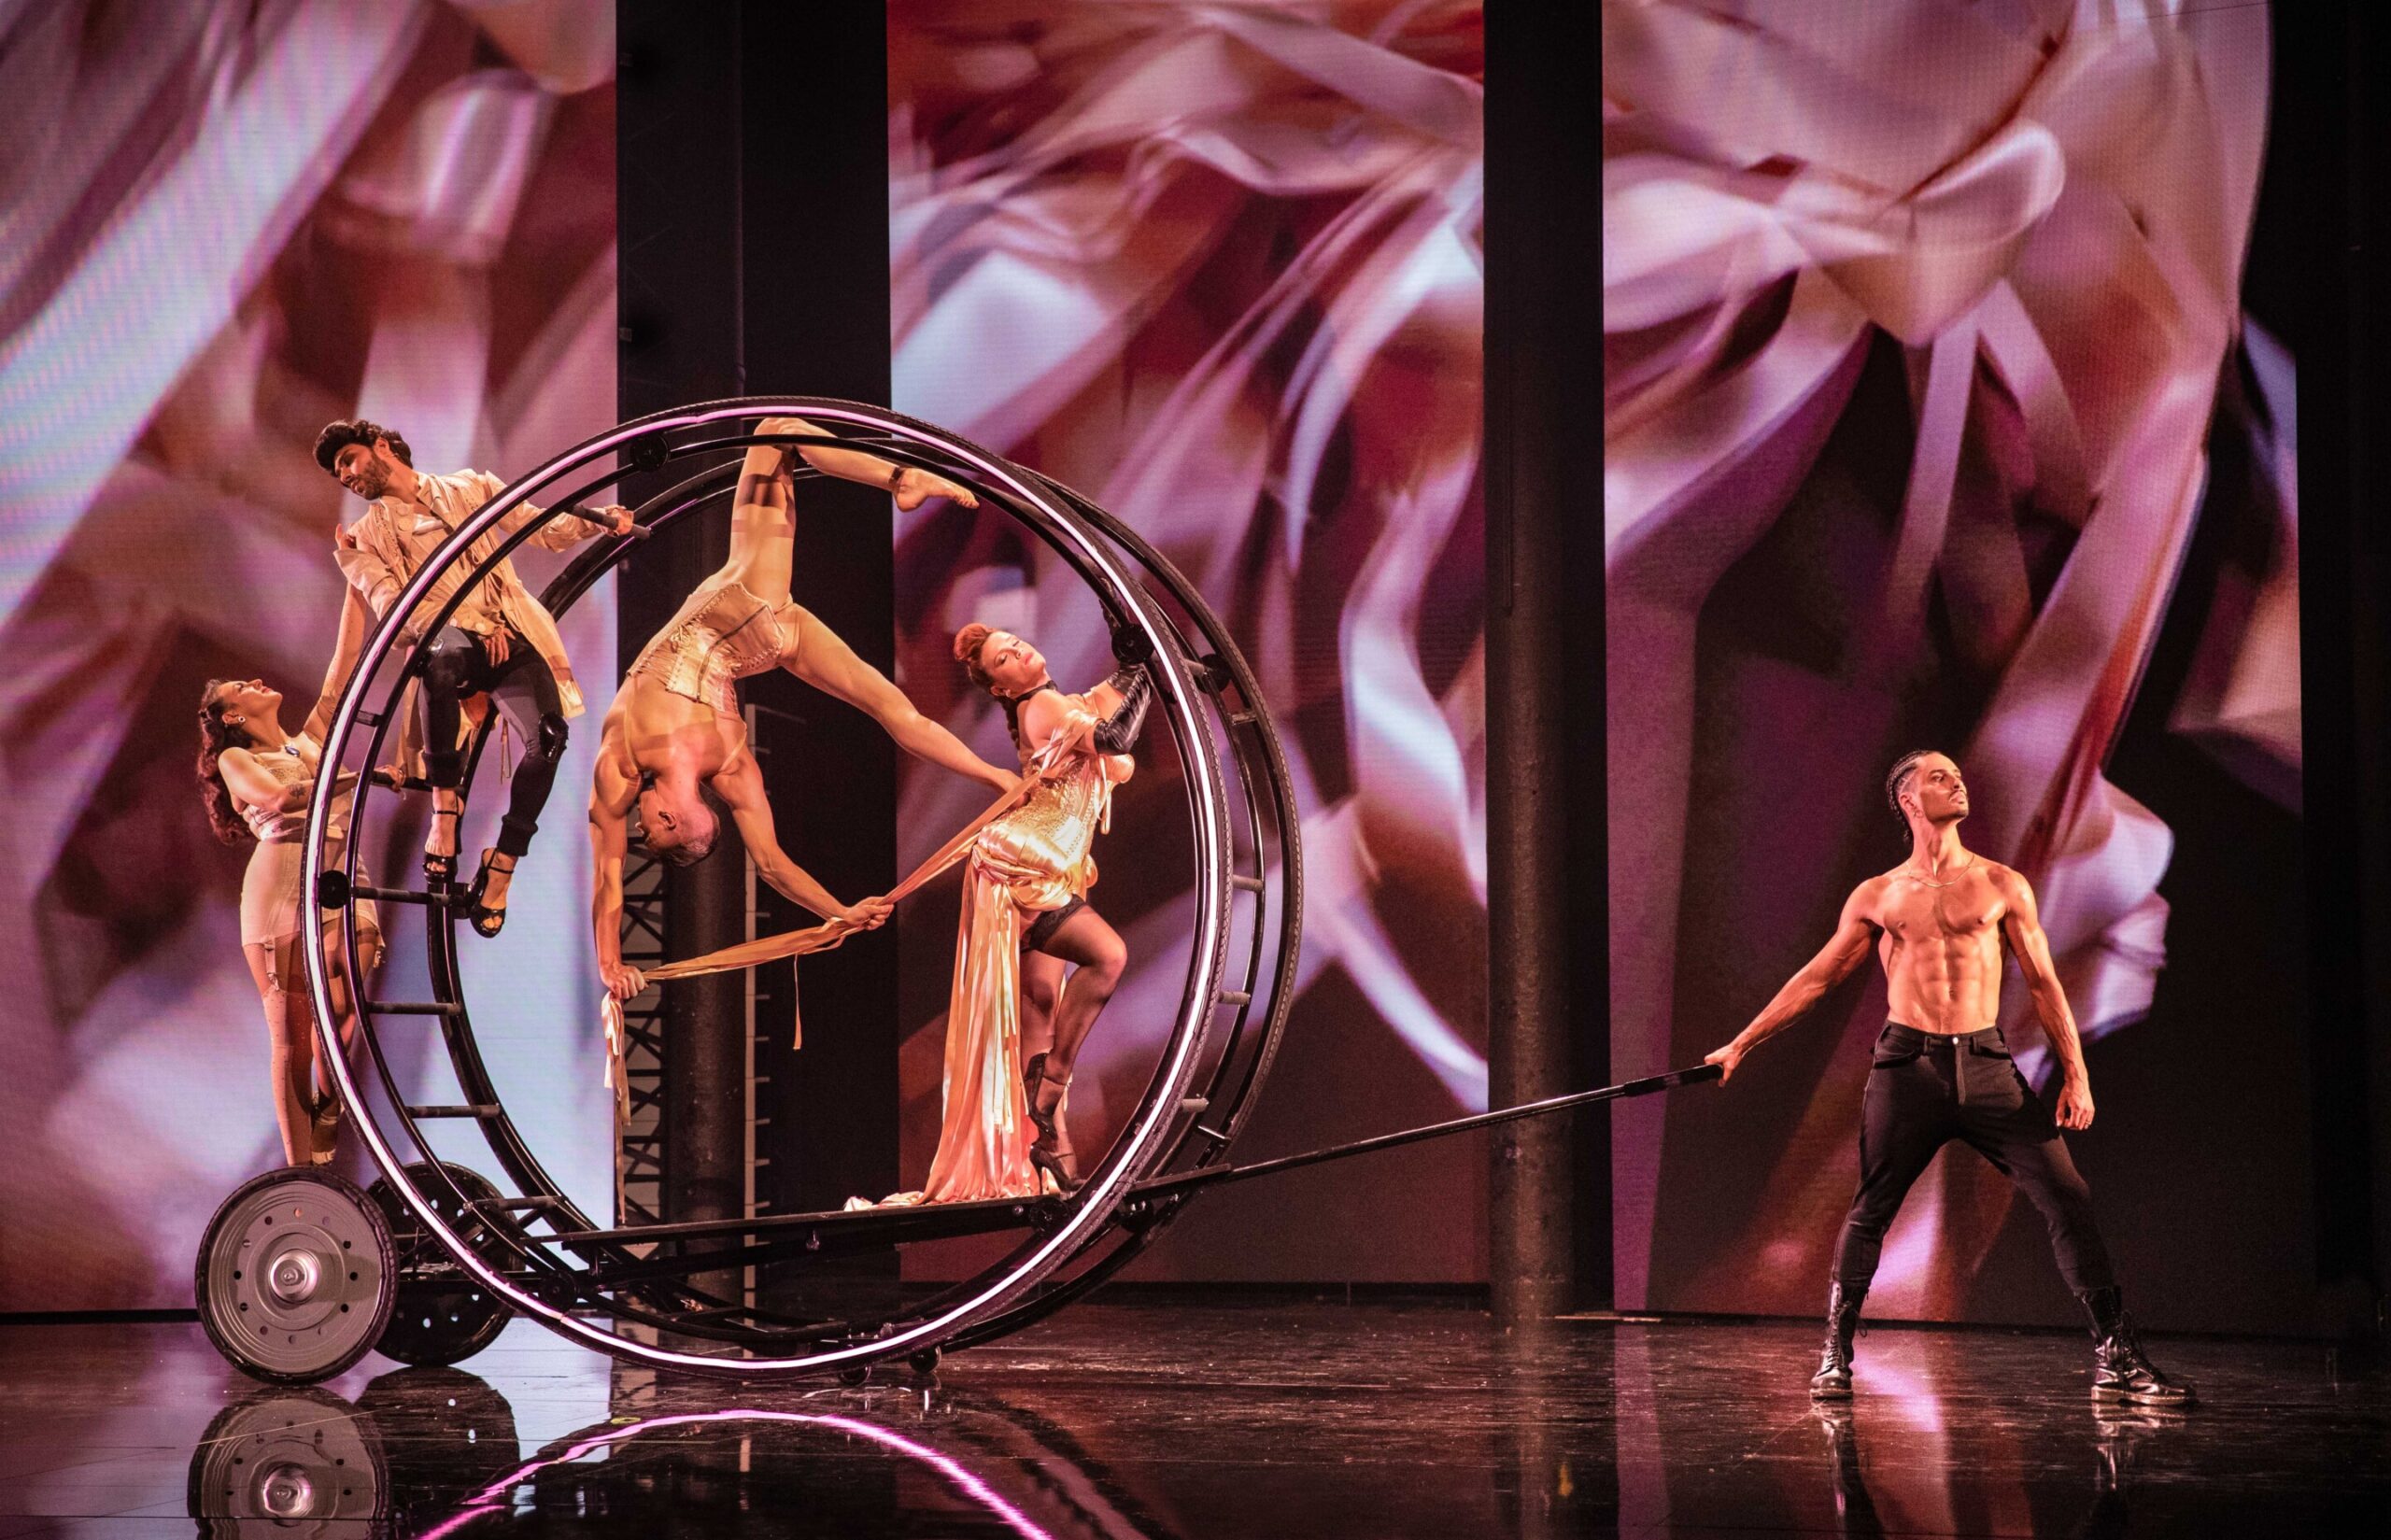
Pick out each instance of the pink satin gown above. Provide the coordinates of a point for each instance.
(1036, 859)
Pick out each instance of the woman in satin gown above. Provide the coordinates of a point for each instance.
(256, 781)
(1015, 1022)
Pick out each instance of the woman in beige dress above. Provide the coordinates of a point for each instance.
(1014, 1026)
(256, 779)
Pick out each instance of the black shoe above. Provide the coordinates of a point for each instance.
(486, 920)
(442, 868)
(1832, 1382)
(2119, 1370)
(1051, 1153)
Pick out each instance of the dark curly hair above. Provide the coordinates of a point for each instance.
(216, 734)
(340, 434)
(1898, 776)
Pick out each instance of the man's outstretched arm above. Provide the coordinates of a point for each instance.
(1845, 950)
(611, 797)
(2023, 926)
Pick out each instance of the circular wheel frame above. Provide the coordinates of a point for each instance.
(295, 1277)
(583, 1281)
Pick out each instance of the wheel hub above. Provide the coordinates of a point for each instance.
(292, 1277)
(286, 1492)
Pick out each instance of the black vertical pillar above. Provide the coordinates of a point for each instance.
(679, 173)
(2331, 112)
(754, 240)
(1544, 697)
(815, 120)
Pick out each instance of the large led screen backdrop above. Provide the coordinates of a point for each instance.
(1218, 267)
(222, 225)
(1933, 418)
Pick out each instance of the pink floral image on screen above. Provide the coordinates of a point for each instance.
(1922, 331)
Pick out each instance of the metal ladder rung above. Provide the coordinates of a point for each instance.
(413, 1008)
(507, 1205)
(1243, 884)
(476, 1110)
(1233, 996)
(1243, 719)
(397, 895)
(1194, 1104)
(1213, 1134)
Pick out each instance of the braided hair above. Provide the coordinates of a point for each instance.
(1899, 776)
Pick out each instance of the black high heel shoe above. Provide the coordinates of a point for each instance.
(442, 868)
(1051, 1153)
(486, 920)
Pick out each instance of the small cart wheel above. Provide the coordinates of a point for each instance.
(443, 1315)
(295, 1280)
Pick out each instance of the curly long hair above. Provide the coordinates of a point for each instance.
(216, 734)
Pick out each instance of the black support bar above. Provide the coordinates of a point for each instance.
(1213, 1176)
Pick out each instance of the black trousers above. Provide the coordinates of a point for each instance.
(1926, 1090)
(523, 689)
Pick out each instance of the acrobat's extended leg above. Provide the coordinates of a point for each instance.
(763, 516)
(822, 658)
(454, 668)
(1041, 987)
(1087, 940)
(276, 969)
(1098, 957)
(763, 522)
(526, 695)
(326, 1106)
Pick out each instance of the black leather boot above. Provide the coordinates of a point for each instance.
(1832, 1382)
(2119, 1370)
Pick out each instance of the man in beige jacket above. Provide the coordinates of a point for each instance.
(501, 642)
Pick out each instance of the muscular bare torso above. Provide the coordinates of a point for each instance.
(648, 725)
(1941, 946)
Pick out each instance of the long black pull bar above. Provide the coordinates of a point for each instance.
(1213, 1176)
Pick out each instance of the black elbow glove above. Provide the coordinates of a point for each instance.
(1118, 733)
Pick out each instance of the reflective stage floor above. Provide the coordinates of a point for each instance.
(1142, 1418)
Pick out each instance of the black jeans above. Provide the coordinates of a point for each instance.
(1926, 1090)
(523, 689)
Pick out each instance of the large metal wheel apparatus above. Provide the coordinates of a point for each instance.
(459, 1249)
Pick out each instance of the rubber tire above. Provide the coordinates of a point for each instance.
(380, 1233)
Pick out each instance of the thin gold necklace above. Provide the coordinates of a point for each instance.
(1921, 881)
